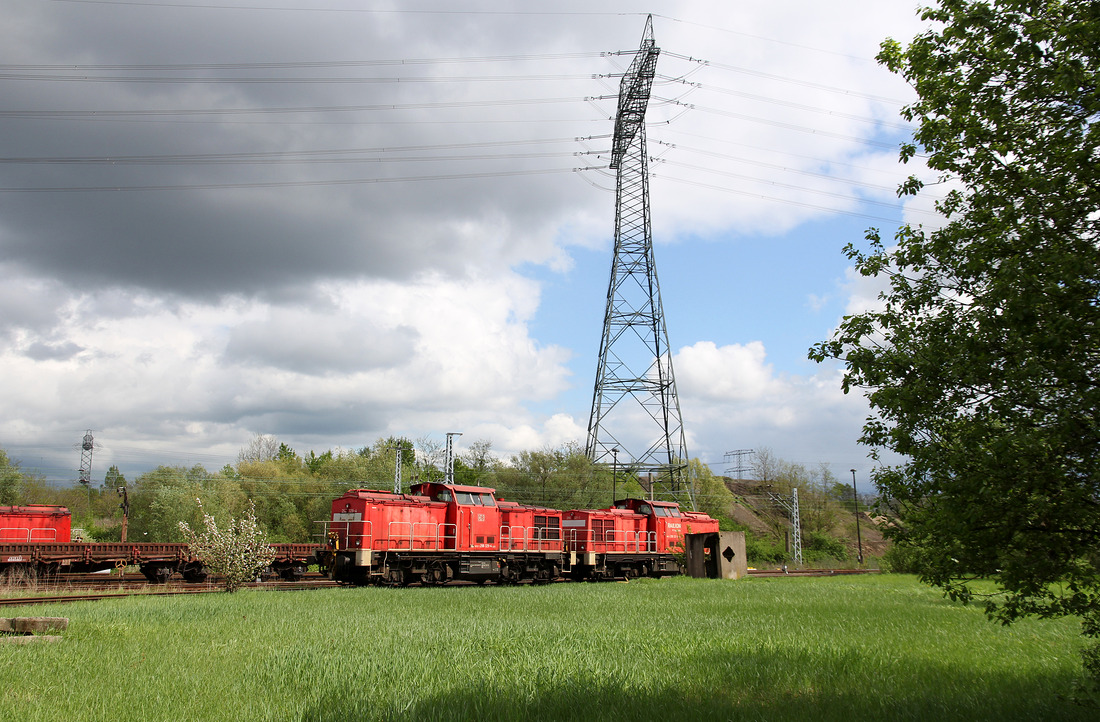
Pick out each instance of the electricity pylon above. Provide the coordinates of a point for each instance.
(635, 393)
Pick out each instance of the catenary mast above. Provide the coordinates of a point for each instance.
(635, 392)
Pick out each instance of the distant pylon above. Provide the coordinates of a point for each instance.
(635, 360)
(87, 444)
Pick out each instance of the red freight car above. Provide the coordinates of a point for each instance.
(35, 523)
(37, 540)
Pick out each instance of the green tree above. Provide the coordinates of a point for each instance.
(113, 479)
(711, 494)
(165, 496)
(11, 480)
(982, 361)
(560, 478)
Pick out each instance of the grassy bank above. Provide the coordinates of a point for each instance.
(822, 649)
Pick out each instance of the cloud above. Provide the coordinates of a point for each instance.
(732, 398)
(218, 221)
(732, 373)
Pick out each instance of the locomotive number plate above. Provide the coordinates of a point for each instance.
(347, 516)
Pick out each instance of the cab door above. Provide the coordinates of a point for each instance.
(484, 522)
(463, 531)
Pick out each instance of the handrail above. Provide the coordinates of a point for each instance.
(532, 538)
(428, 539)
(631, 542)
(29, 535)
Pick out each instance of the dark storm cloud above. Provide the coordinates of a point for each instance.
(308, 421)
(180, 227)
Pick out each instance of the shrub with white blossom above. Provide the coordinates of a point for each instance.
(238, 552)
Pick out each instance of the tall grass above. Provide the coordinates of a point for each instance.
(775, 649)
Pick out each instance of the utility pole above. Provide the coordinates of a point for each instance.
(635, 361)
(87, 445)
(855, 498)
(739, 466)
(449, 464)
(791, 506)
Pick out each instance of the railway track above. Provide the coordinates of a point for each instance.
(808, 572)
(90, 591)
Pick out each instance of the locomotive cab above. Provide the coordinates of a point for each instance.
(473, 517)
(667, 524)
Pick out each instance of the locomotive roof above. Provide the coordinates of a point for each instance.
(459, 487)
(35, 509)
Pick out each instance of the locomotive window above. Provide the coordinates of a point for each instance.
(465, 497)
(443, 495)
(486, 499)
(674, 511)
(644, 509)
(549, 526)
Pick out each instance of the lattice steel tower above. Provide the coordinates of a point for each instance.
(635, 394)
(87, 445)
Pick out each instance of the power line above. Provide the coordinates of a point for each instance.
(287, 184)
(785, 79)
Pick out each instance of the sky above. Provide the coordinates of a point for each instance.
(336, 221)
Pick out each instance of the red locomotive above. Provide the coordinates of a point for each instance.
(442, 532)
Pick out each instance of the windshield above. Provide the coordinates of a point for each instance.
(475, 498)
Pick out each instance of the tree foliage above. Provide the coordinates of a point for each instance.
(11, 479)
(982, 361)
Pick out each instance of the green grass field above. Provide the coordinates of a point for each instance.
(870, 647)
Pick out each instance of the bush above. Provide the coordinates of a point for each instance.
(763, 550)
(818, 547)
(900, 559)
(239, 552)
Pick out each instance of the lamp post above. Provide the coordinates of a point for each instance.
(855, 498)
